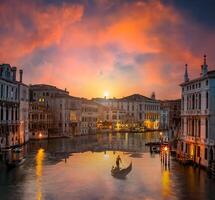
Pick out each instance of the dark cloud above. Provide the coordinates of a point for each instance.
(200, 11)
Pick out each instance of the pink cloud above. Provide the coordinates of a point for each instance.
(89, 48)
(47, 26)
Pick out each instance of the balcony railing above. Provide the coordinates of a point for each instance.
(195, 112)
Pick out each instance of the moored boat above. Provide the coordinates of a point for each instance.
(17, 150)
(121, 173)
(15, 163)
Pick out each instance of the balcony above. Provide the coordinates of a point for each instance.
(198, 140)
(195, 112)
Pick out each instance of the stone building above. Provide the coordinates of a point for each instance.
(133, 111)
(174, 113)
(66, 115)
(63, 115)
(23, 111)
(13, 108)
(197, 140)
(40, 120)
(47, 111)
(89, 114)
(164, 118)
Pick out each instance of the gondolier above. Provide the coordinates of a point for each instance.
(118, 161)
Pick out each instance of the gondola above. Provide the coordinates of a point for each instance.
(121, 173)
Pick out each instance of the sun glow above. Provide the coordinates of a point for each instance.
(106, 94)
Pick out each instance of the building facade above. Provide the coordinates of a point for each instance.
(172, 109)
(197, 140)
(132, 111)
(23, 112)
(62, 115)
(13, 108)
(40, 120)
(47, 111)
(89, 114)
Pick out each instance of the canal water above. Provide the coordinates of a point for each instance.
(79, 168)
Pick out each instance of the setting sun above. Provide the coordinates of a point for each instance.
(107, 99)
(106, 94)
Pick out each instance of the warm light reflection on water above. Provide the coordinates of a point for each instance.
(39, 169)
(79, 169)
(166, 183)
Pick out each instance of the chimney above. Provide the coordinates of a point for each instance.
(20, 75)
(14, 73)
(186, 76)
(204, 67)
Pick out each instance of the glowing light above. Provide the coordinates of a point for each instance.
(166, 183)
(106, 156)
(39, 169)
(118, 125)
(106, 94)
(40, 135)
(165, 148)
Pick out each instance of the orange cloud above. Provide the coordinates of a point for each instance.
(135, 47)
(46, 26)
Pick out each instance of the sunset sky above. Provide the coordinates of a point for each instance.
(120, 47)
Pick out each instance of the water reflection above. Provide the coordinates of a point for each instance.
(101, 142)
(39, 169)
(79, 169)
(166, 183)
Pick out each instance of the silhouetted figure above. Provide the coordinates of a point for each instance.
(118, 161)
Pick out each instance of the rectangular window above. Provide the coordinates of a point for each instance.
(186, 148)
(187, 102)
(199, 126)
(198, 151)
(206, 128)
(140, 116)
(200, 101)
(182, 145)
(6, 91)
(206, 100)
(2, 114)
(7, 114)
(206, 153)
